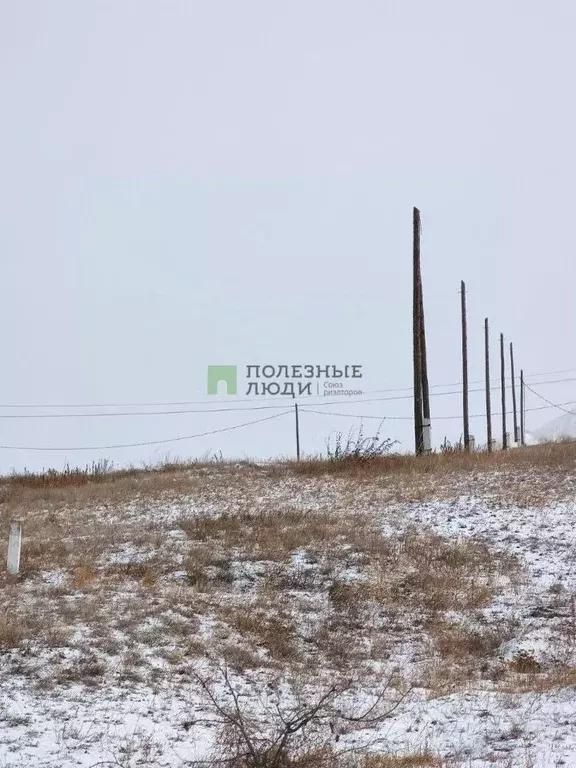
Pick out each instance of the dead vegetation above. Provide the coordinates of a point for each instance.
(303, 570)
(100, 484)
(526, 675)
(258, 586)
(408, 476)
(293, 728)
(347, 584)
(550, 455)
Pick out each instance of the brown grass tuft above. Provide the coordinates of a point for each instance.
(13, 632)
(457, 641)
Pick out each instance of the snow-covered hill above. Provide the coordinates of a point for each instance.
(447, 582)
(563, 426)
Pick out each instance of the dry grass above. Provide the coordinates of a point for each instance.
(500, 477)
(525, 675)
(305, 571)
(327, 758)
(13, 632)
(561, 455)
(288, 588)
(464, 652)
(103, 472)
(409, 476)
(348, 585)
(100, 485)
(269, 566)
(422, 760)
(456, 641)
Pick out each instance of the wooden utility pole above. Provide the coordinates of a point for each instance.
(424, 359)
(503, 387)
(297, 431)
(464, 367)
(516, 430)
(417, 335)
(426, 426)
(487, 373)
(522, 435)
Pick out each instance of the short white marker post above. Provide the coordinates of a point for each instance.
(14, 545)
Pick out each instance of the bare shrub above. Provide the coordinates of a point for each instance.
(291, 729)
(356, 447)
(449, 448)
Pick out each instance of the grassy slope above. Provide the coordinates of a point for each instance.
(312, 572)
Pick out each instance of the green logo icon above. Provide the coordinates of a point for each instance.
(226, 373)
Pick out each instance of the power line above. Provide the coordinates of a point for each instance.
(167, 404)
(269, 418)
(146, 443)
(550, 403)
(134, 413)
(304, 409)
(356, 415)
(386, 418)
(123, 414)
(334, 401)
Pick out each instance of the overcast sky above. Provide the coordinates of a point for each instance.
(193, 183)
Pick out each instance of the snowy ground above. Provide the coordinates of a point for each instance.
(105, 675)
(533, 728)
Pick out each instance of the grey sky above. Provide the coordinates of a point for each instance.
(186, 183)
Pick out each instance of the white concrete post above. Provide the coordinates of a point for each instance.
(427, 435)
(14, 544)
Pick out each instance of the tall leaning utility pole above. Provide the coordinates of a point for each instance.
(297, 425)
(417, 334)
(487, 376)
(426, 425)
(503, 387)
(513, 380)
(464, 367)
(522, 406)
